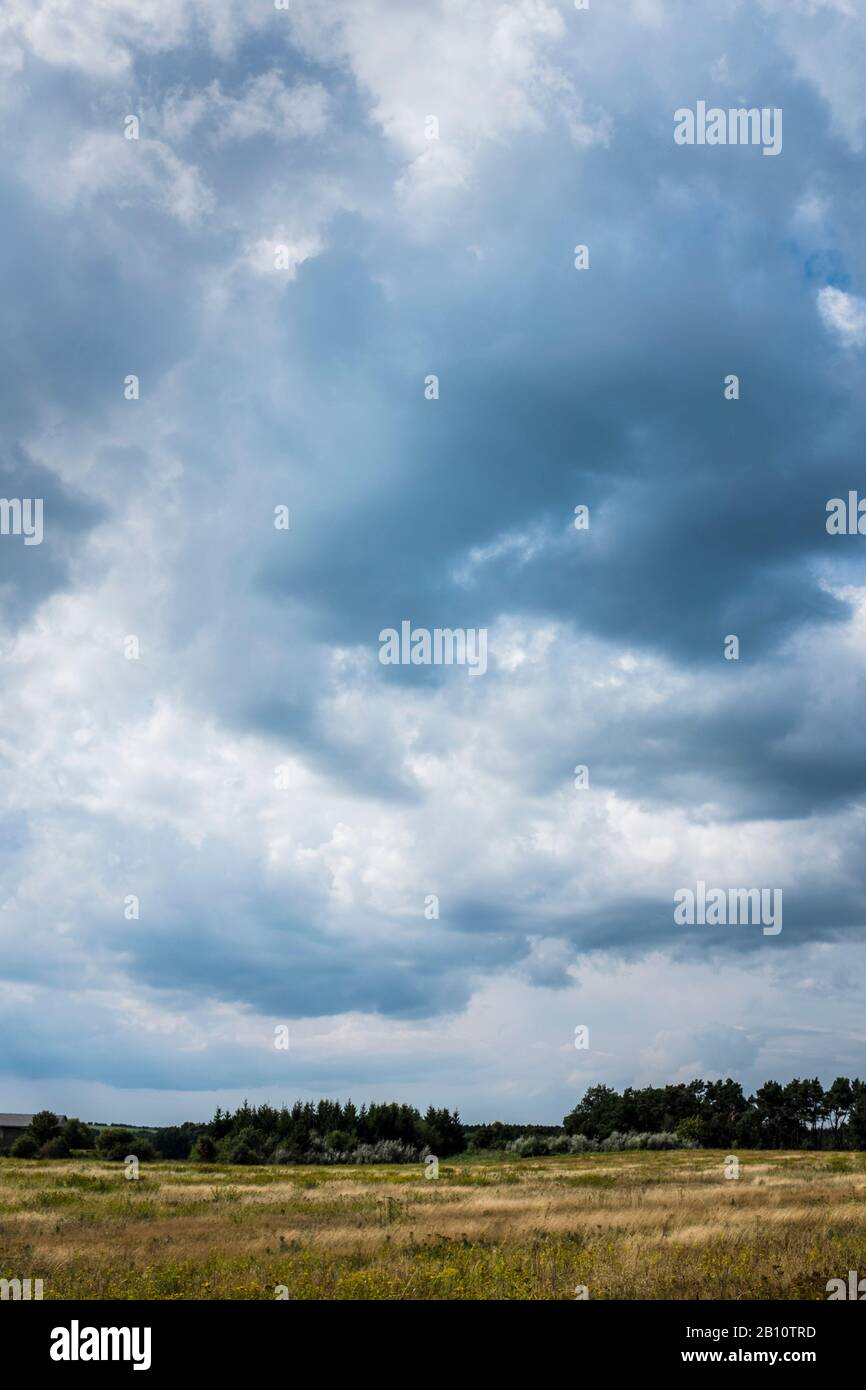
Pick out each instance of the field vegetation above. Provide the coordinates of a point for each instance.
(631, 1225)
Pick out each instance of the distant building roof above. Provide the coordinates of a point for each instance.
(14, 1121)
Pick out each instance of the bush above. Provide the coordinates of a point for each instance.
(119, 1144)
(386, 1151)
(666, 1140)
(25, 1146)
(77, 1135)
(559, 1144)
(529, 1146)
(243, 1147)
(691, 1129)
(617, 1143)
(55, 1148)
(339, 1141)
(204, 1150)
(540, 1145)
(579, 1144)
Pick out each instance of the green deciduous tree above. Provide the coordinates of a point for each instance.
(44, 1126)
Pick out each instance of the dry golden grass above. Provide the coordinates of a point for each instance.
(633, 1225)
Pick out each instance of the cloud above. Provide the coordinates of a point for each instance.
(264, 106)
(825, 41)
(103, 40)
(843, 315)
(267, 105)
(281, 804)
(270, 256)
(446, 81)
(131, 173)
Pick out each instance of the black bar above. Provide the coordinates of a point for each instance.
(578, 1338)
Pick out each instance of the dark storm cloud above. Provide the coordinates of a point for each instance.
(557, 388)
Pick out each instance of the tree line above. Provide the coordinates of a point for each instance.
(324, 1132)
(706, 1114)
(718, 1115)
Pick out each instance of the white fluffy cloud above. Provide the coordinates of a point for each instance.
(484, 73)
(843, 315)
(101, 38)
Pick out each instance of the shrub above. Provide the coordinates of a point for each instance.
(528, 1146)
(25, 1146)
(55, 1148)
(634, 1141)
(667, 1140)
(119, 1144)
(579, 1144)
(385, 1151)
(339, 1141)
(616, 1142)
(77, 1135)
(558, 1144)
(282, 1155)
(243, 1147)
(204, 1150)
(539, 1145)
(691, 1128)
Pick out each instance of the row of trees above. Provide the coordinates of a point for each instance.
(717, 1114)
(47, 1136)
(323, 1132)
(307, 1133)
(713, 1114)
(497, 1136)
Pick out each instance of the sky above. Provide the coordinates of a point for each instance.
(221, 814)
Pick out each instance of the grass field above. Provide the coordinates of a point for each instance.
(625, 1225)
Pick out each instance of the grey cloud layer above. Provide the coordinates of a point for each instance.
(305, 387)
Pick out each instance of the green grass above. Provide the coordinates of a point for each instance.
(627, 1225)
